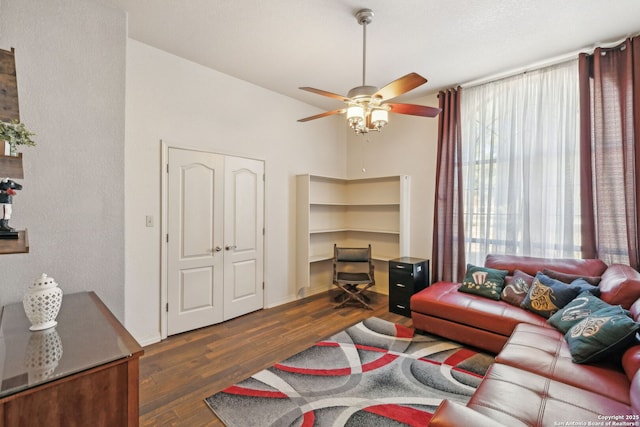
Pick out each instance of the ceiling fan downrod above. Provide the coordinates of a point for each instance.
(364, 17)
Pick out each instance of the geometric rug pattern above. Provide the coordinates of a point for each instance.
(375, 373)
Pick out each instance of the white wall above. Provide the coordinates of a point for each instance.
(71, 81)
(87, 191)
(185, 104)
(407, 146)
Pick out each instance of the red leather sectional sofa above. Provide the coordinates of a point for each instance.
(534, 381)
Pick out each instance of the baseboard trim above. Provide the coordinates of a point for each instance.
(148, 340)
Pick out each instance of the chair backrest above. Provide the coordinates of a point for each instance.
(352, 254)
(352, 260)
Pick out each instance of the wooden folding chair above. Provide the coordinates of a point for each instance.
(353, 274)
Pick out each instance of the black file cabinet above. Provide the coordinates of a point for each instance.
(407, 276)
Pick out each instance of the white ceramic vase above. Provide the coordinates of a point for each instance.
(42, 302)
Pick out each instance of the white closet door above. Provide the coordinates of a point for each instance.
(243, 236)
(195, 240)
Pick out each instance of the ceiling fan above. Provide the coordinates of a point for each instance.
(367, 107)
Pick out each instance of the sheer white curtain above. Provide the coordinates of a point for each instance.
(520, 139)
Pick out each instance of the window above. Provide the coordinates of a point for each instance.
(520, 143)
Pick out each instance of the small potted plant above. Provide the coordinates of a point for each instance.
(14, 133)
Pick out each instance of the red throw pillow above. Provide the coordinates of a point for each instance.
(516, 287)
(568, 278)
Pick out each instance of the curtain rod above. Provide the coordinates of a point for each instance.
(545, 63)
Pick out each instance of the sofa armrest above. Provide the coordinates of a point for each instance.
(451, 414)
(620, 284)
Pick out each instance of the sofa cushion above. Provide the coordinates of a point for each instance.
(453, 414)
(568, 278)
(634, 391)
(532, 265)
(443, 300)
(486, 282)
(518, 398)
(489, 341)
(607, 331)
(631, 361)
(620, 284)
(547, 295)
(580, 308)
(634, 311)
(516, 287)
(544, 351)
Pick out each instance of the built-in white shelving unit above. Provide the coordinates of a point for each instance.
(351, 213)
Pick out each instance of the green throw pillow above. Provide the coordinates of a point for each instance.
(482, 281)
(546, 295)
(606, 332)
(577, 310)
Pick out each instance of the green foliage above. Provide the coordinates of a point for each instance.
(15, 133)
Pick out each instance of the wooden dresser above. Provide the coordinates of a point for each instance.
(82, 372)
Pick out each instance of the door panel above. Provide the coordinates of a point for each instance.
(245, 279)
(195, 289)
(244, 228)
(194, 268)
(197, 187)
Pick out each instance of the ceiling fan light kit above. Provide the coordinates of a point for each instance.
(367, 109)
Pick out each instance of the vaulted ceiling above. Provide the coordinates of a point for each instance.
(284, 44)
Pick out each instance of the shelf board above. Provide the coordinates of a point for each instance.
(15, 246)
(328, 230)
(357, 230)
(322, 258)
(368, 230)
(346, 204)
(384, 258)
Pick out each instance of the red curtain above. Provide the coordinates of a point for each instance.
(448, 260)
(610, 146)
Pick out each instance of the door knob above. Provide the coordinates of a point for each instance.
(230, 247)
(217, 249)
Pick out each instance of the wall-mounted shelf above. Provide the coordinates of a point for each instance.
(9, 105)
(15, 246)
(11, 166)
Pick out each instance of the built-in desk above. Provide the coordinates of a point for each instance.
(83, 372)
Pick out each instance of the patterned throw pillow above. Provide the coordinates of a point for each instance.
(486, 282)
(577, 310)
(584, 285)
(516, 287)
(607, 332)
(547, 295)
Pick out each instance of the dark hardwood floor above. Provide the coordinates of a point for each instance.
(177, 374)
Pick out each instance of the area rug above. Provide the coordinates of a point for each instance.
(375, 373)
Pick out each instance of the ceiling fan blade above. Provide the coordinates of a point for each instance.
(402, 85)
(414, 110)
(325, 93)
(321, 115)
